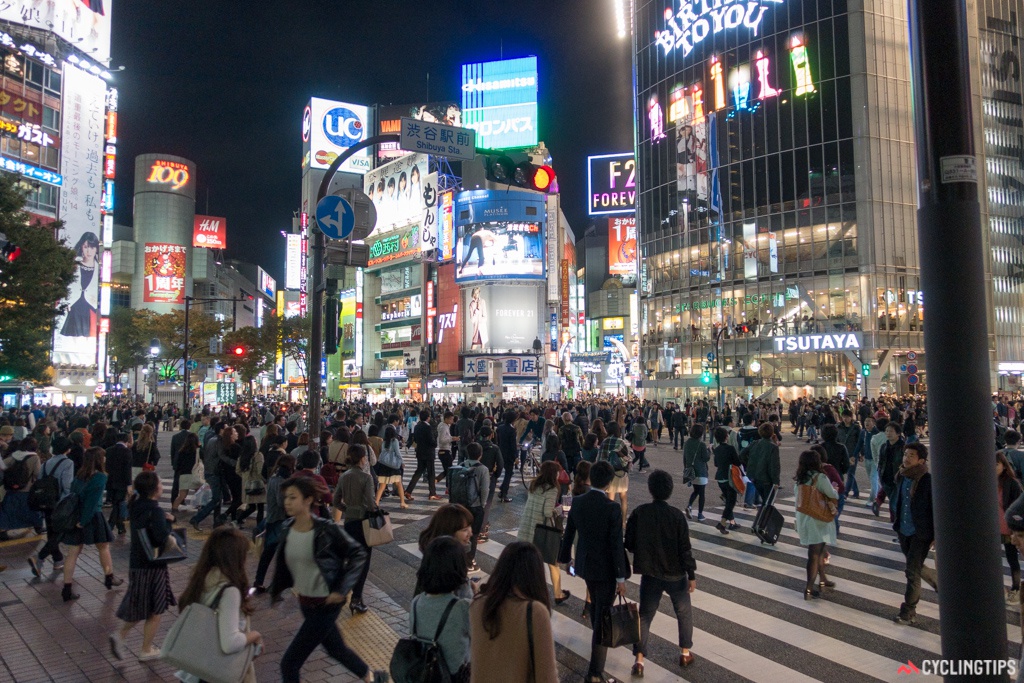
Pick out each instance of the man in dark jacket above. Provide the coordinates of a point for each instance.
(762, 461)
(119, 479)
(507, 446)
(679, 423)
(911, 512)
(177, 441)
(838, 456)
(849, 436)
(426, 446)
(889, 458)
(659, 539)
(600, 555)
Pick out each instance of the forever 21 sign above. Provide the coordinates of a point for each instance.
(612, 184)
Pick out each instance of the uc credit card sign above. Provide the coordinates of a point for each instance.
(331, 128)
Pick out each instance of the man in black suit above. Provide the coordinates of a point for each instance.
(600, 555)
(426, 447)
(119, 479)
(177, 441)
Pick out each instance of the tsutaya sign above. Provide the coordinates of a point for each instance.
(698, 19)
(819, 342)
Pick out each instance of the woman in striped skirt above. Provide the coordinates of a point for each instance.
(149, 584)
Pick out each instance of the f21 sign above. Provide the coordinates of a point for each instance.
(611, 184)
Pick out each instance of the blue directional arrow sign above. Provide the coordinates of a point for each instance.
(335, 217)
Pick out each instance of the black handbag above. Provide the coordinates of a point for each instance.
(620, 624)
(417, 659)
(173, 550)
(548, 540)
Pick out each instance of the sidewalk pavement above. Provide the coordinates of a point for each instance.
(45, 639)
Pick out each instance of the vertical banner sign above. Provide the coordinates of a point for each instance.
(303, 265)
(446, 225)
(622, 247)
(293, 261)
(428, 224)
(750, 251)
(563, 280)
(773, 252)
(554, 331)
(164, 274)
(75, 334)
(552, 245)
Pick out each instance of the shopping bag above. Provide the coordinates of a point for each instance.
(193, 645)
(548, 539)
(620, 624)
(377, 528)
(738, 480)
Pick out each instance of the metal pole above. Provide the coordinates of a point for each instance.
(184, 370)
(234, 314)
(971, 601)
(317, 250)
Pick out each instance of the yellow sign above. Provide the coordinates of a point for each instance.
(614, 323)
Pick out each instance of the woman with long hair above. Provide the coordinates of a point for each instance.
(220, 573)
(91, 529)
(388, 475)
(448, 520)
(442, 574)
(185, 463)
(149, 591)
(597, 427)
(814, 533)
(1009, 490)
(542, 508)
(697, 456)
(84, 293)
(144, 451)
(514, 596)
(726, 458)
(321, 563)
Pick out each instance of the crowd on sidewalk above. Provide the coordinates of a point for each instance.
(317, 511)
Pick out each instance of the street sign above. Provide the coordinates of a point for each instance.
(363, 209)
(912, 379)
(903, 368)
(335, 217)
(438, 139)
(911, 355)
(192, 365)
(711, 356)
(912, 369)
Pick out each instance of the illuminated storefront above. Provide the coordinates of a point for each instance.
(776, 198)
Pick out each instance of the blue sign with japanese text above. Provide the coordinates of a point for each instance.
(438, 139)
(499, 102)
(475, 367)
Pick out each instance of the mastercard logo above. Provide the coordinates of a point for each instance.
(326, 157)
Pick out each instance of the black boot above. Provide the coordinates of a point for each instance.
(110, 581)
(68, 594)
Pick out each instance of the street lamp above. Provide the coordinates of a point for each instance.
(538, 349)
(154, 353)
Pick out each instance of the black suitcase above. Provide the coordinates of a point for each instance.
(768, 522)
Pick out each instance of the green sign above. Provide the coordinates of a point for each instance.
(748, 300)
(227, 392)
(395, 246)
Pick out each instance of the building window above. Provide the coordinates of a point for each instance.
(42, 198)
(51, 118)
(53, 82)
(34, 74)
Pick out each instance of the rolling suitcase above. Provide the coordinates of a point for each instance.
(768, 522)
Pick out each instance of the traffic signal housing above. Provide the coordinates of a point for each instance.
(706, 377)
(238, 351)
(9, 252)
(504, 170)
(865, 369)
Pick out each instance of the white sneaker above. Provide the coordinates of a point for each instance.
(117, 645)
(149, 655)
(1013, 597)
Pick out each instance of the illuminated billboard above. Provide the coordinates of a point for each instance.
(394, 246)
(396, 190)
(329, 129)
(390, 121)
(446, 225)
(611, 183)
(293, 262)
(210, 232)
(164, 273)
(83, 23)
(267, 284)
(499, 102)
(502, 318)
(622, 247)
(499, 235)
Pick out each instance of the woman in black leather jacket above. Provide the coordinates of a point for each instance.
(321, 563)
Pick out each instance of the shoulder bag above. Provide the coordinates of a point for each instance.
(189, 646)
(620, 624)
(814, 503)
(547, 537)
(377, 529)
(737, 479)
(417, 659)
(173, 549)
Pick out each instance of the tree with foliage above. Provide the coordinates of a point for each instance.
(260, 352)
(127, 343)
(169, 328)
(292, 337)
(33, 289)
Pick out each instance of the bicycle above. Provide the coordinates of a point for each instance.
(529, 461)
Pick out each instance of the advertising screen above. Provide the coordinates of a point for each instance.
(390, 121)
(611, 183)
(329, 128)
(267, 284)
(293, 262)
(622, 247)
(499, 235)
(499, 102)
(75, 334)
(502, 318)
(394, 246)
(446, 225)
(396, 190)
(164, 274)
(210, 232)
(83, 23)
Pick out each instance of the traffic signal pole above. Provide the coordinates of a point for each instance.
(970, 576)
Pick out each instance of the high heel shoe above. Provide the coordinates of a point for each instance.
(358, 608)
(110, 581)
(586, 610)
(68, 593)
(826, 584)
(809, 593)
(637, 671)
(565, 596)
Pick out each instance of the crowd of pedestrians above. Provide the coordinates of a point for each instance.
(311, 501)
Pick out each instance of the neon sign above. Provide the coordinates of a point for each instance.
(801, 66)
(169, 173)
(689, 102)
(698, 19)
(657, 117)
(762, 77)
(718, 81)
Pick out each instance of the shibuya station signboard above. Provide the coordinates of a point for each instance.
(807, 343)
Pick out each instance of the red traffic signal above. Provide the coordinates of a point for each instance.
(543, 177)
(238, 350)
(9, 252)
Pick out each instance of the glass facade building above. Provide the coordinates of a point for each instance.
(776, 177)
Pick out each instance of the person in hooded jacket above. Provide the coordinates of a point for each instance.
(911, 512)
(890, 455)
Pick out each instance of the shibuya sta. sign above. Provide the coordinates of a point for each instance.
(819, 342)
(697, 19)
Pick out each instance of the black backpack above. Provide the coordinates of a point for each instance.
(418, 660)
(45, 492)
(66, 514)
(17, 475)
(462, 486)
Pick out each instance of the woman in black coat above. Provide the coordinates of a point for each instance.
(725, 458)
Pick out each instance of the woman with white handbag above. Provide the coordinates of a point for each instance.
(321, 564)
(218, 582)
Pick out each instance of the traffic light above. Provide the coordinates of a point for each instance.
(9, 252)
(525, 174)
(238, 351)
(706, 377)
(865, 369)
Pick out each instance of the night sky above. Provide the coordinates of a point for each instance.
(224, 83)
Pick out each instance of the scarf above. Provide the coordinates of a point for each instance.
(914, 473)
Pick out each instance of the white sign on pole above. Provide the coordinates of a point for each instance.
(438, 139)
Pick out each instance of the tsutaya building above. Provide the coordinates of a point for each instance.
(777, 209)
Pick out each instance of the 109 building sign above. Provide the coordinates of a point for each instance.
(697, 19)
